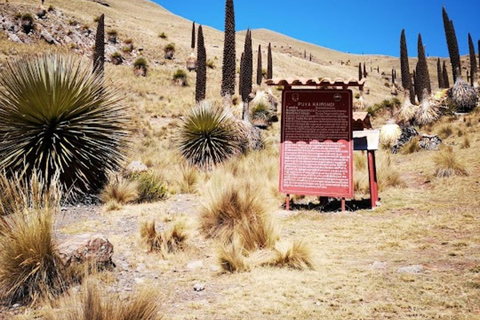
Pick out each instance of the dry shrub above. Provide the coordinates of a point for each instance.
(30, 268)
(120, 190)
(411, 146)
(295, 255)
(167, 241)
(239, 208)
(447, 164)
(95, 304)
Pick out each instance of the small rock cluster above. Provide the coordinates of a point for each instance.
(427, 142)
(25, 24)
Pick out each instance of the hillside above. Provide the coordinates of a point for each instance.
(416, 256)
(143, 21)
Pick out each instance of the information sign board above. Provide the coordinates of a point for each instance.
(316, 143)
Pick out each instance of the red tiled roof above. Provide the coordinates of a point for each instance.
(326, 82)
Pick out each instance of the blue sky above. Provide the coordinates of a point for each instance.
(367, 26)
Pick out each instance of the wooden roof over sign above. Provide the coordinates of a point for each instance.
(319, 82)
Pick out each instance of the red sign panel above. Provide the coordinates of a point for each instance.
(317, 143)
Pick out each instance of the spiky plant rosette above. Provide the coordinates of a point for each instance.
(59, 118)
(208, 136)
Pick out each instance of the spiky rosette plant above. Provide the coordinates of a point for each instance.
(59, 118)
(208, 136)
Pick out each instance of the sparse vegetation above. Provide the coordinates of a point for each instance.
(163, 35)
(167, 241)
(140, 66)
(94, 303)
(169, 50)
(448, 164)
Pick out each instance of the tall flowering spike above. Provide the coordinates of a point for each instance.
(423, 75)
(240, 80)
(478, 47)
(229, 63)
(269, 62)
(451, 42)
(365, 74)
(404, 67)
(259, 65)
(440, 75)
(99, 53)
(201, 85)
(360, 74)
(446, 82)
(193, 36)
(247, 68)
(473, 60)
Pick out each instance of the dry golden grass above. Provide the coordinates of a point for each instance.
(19, 195)
(120, 190)
(170, 240)
(465, 143)
(30, 268)
(295, 255)
(447, 163)
(238, 209)
(94, 303)
(411, 146)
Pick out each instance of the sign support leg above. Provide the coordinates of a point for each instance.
(287, 203)
(343, 205)
(372, 173)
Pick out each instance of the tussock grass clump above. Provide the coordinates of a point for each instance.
(208, 136)
(232, 257)
(239, 210)
(447, 164)
(95, 304)
(112, 205)
(30, 268)
(57, 117)
(295, 255)
(445, 131)
(189, 177)
(411, 146)
(18, 195)
(120, 190)
(170, 240)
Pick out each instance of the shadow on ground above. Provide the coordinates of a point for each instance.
(331, 205)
